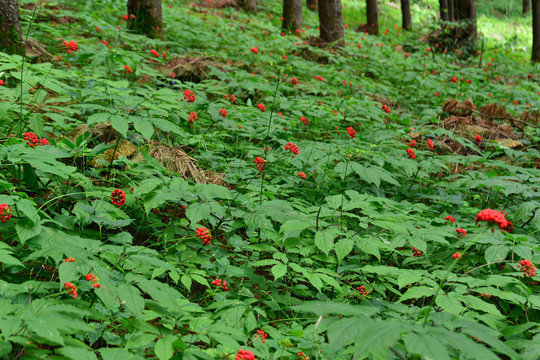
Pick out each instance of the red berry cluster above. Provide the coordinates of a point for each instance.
(320, 78)
(262, 334)
(494, 216)
(478, 139)
(412, 143)
(204, 234)
(118, 197)
(451, 219)
(527, 267)
(302, 175)
(302, 356)
(254, 50)
(261, 163)
(457, 255)
(94, 279)
(304, 119)
(292, 148)
(294, 81)
(32, 140)
(222, 112)
(461, 233)
(262, 107)
(411, 154)
(245, 355)
(416, 252)
(71, 46)
(362, 292)
(189, 96)
(222, 283)
(430, 145)
(351, 132)
(154, 52)
(69, 259)
(192, 117)
(72, 289)
(128, 69)
(386, 109)
(485, 295)
(5, 212)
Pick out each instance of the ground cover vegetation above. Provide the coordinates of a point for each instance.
(232, 190)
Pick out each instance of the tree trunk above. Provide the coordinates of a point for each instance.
(536, 30)
(372, 17)
(312, 5)
(148, 17)
(250, 5)
(467, 16)
(292, 14)
(10, 28)
(331, 21)
(406, 18)
(526, 6)
(443, 9)
(451, 15)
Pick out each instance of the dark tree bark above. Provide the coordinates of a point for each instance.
(451, 15)
(526, 6)
(250, 5)
(536, 30)
(312, 5)
(467, 16)
(406, 19)
(10, 28)
(148, 17)
(292, 14)
(331, 21)
(443, 9)
(372, 17)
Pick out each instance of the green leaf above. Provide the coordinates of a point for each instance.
(496, 253)
(324, 239)
(377, 336)
(145, 127)
(77, 353)
(417, 292)
(45, 328)
(120, 124)
(132, 298)
(450, 303)
(27, 229)
(427, 346)
(140, 340)
(197, 212)
(279, 270)
(68, 271)
(186, 281)
(7, 259)
(343, 248)
(164, 347)
(117, 354)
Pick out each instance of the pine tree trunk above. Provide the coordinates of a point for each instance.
(331, 21)
(292, 14)
(443, 9)
(451, 15)
(536, 30)
(10, 28)
(526, 6)
(148, 17)
(406, 18)
(372, 17)
(312, 5)
(467, 16)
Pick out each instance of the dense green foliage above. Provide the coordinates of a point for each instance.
(355, 259)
